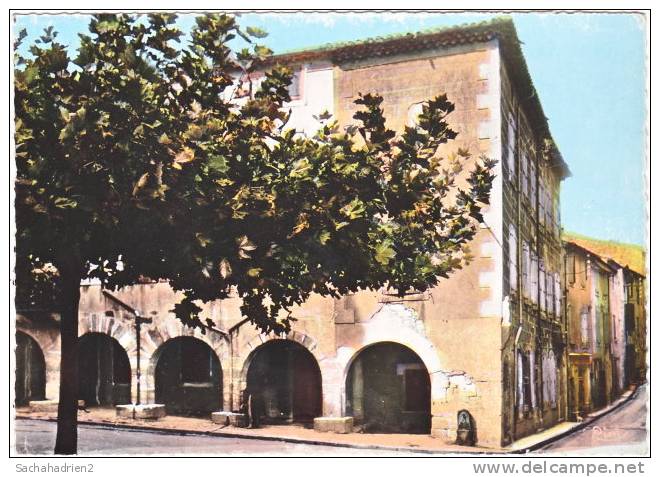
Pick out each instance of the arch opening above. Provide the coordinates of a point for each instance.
(30, 370)
(188, 377)
(388, 390)
(104, 371)
(285, 379)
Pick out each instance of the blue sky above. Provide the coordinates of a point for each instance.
(589, 70)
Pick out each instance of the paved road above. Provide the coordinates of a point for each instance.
(38, 437)
(622, 432)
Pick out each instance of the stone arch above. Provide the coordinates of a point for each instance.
(30, 384)
(251, 347)
(386, 325)
(105, 371)
(188, 376)
(388, 389)
(48, 339)
(285, 378)
(112, 326)
(38, 339)
(154, 336)
(395, 323)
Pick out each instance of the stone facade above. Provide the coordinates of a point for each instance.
(635, 327)
(533, 347)
(488, 340)
(605, 314)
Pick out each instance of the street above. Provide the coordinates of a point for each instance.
(38, 437)
(622, 432)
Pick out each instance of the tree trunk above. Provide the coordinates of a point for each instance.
(67, 409)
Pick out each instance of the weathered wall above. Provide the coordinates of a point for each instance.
(617, 308)
(595, 330)
(531, 279)
(457, 330)
(461, 318)
(44, 329)
(315, 97)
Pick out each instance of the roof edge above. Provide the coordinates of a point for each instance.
(500, 27)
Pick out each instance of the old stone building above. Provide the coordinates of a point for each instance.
(589, 336)
(605, 308)
(635, 361)
(489, 340)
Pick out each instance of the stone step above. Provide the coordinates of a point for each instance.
(49, 405)
(141, 411)
(224, 417)
(338, 425)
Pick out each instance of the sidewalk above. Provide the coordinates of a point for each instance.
(299, 434)
(545, 437)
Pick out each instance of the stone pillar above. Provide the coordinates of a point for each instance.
(443, 421)
(334, 388)
(227, 398)
(52, 358)
(357, 397)
(587, 388)
(148, 384)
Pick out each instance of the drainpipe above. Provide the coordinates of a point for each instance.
(515, 382)
(565, 332)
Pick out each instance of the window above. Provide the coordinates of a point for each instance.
(532, 184)
(510, 147)
(548, 208)
(524, 174)
(532, 379)
(542, 202)
(571, 268)
(534, 278)
(550, 292)
(513, 258)
(295, 88)
(549, 367)
(629, 293)
(524, 384)
(558, 294)
(525, 269)
(413, 114)
(542, 290)
(584, 326)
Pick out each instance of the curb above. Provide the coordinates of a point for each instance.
(577, 427)
(294, 440)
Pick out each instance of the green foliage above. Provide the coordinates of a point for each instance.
(131, 149)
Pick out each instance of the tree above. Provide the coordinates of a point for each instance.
(133, 160)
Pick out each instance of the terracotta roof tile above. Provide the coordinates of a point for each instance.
(627, 255)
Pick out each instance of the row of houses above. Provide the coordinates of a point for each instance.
(494, 340)
(605, 310)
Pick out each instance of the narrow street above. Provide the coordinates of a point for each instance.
(622, 432)
(38, 437)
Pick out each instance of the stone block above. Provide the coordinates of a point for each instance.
(43, 406)
(338, 425)
(223, 417)
(238, 420)
(142, 411)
